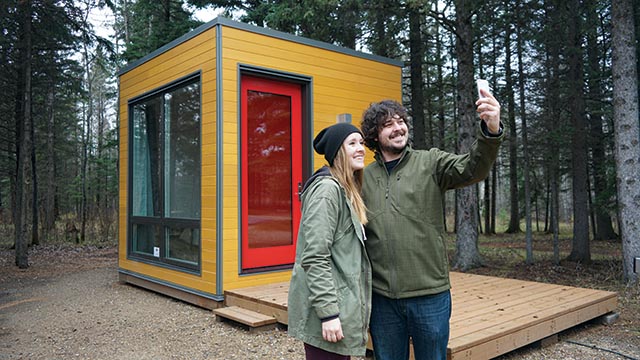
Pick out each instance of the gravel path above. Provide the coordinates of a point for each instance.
(70, 305)
(88, 314)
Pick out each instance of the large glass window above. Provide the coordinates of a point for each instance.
(165, 175)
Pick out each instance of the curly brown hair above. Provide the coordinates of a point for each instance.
(375, 116)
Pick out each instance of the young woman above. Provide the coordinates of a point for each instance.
(330, 291)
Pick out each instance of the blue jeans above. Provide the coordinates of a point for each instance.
(424, 318)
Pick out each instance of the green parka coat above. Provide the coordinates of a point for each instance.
(332, 273)
(405, 232)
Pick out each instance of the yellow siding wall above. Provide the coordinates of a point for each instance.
(197, 54)
(341, 84)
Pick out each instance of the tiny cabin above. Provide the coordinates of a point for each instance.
(216, 132)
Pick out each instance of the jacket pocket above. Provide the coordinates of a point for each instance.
(350, 303)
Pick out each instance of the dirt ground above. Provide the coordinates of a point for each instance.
(70, 305)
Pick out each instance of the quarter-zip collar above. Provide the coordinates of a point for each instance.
(380, 159)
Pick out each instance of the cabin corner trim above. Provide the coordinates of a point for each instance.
(219, 162)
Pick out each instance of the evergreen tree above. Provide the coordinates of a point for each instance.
(580, 250)
(153, 23)
(467, 252)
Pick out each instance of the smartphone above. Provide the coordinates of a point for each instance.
(482, 84)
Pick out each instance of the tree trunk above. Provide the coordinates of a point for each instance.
(580, 250)
(627, 149)
(125, 21)
(494, 196)
(17, 175)
(555, 228)
(487, 205)
(603, 224)
(441, 93)
(547, 198)
(23, 179)
(467, 254)
(35, 238)
(50, 194)
(101, 195)
(525, 144)
(497, 51)
(380, 44)
(487, 181)
(349, 15)
(477, 190)
(86, 139)
(514, 218)
(590, 204)
(428, 121)
(416, 57)
(552, 106)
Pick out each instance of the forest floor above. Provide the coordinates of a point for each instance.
(70, 305)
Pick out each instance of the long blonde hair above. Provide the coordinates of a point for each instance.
(351, 182)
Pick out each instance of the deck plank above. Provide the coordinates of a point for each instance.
(495, 326)
(514, 307)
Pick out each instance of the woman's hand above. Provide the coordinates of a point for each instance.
(332, 330)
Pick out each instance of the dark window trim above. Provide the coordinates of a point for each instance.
(306, 82)
(161, 221)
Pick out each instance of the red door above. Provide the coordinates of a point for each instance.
(271, 171)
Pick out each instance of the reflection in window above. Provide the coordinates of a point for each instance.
(145, 238)
(165, 175)
(182, 152)
(269, 215)
(146, 151)
(183, 244)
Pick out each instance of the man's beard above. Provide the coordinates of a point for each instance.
(390, 149)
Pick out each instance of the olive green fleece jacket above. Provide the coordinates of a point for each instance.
(332, 274)
(405, 233)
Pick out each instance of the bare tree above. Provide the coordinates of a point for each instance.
(86, 140)
(603, 228)
(416, 55)
(35, 238)
(625, 114)
(514, 218)
(552, 111)
(24, 123)
(50, 165)
(525, 141)
(580, 250)
(440, 137)
(467, 253)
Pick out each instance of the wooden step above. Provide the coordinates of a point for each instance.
(244, 316)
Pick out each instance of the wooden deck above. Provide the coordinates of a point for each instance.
(491, 316)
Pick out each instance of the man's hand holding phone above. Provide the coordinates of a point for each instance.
(482, 85)
(488, 107)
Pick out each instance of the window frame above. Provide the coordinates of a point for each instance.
(163, 221)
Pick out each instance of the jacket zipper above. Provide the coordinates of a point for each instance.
(391, 248)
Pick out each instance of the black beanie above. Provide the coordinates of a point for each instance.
(329, 140)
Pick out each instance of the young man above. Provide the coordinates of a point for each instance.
(403, 191)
